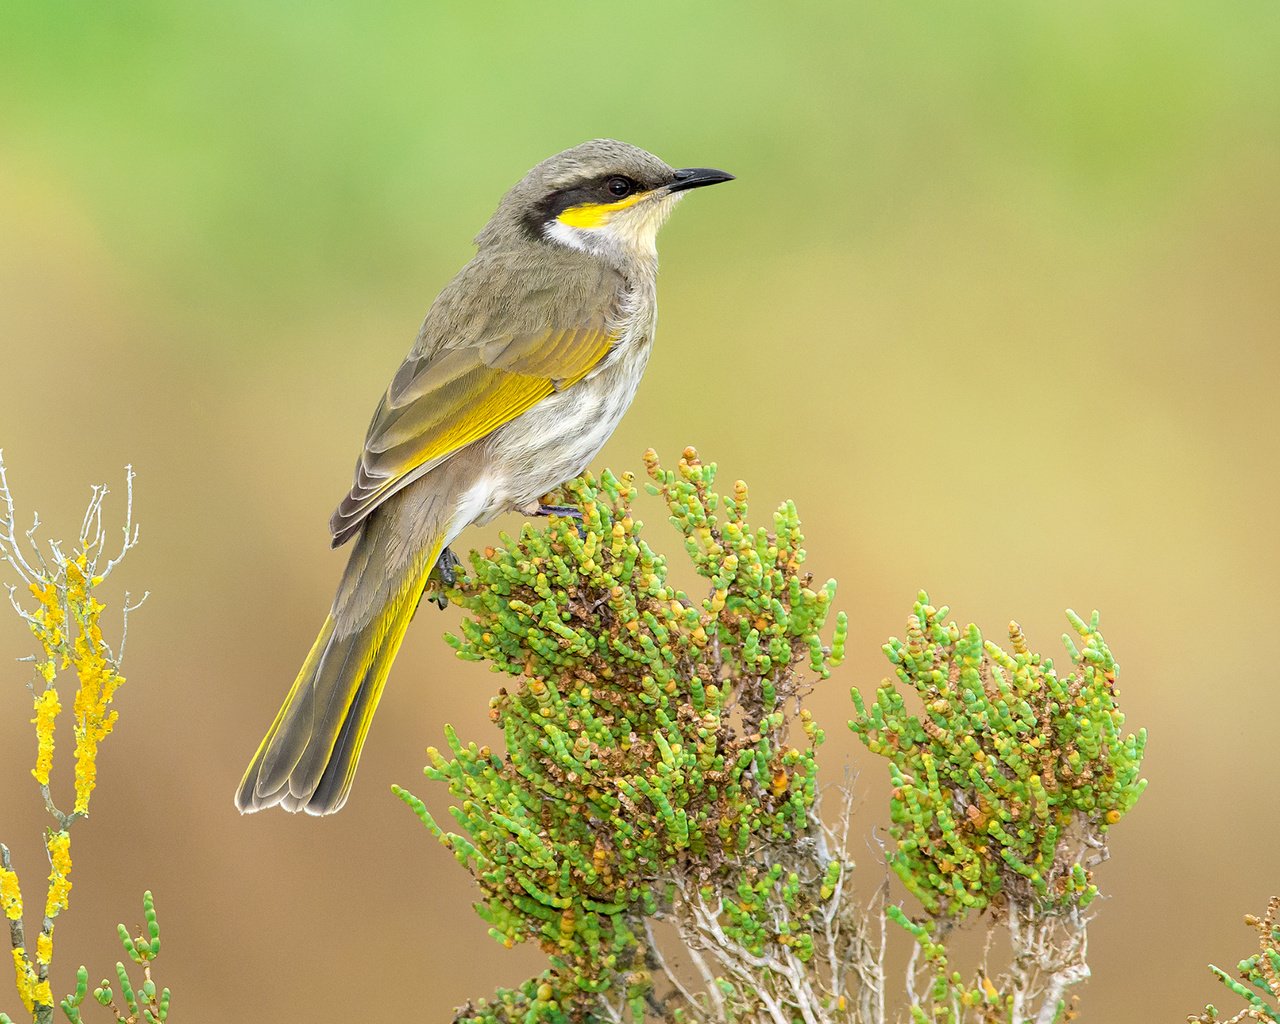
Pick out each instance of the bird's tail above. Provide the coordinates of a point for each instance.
(308, 759)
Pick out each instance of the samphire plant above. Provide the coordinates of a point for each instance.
(651, 815)
(1259, 975)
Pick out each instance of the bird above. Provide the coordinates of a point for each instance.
(522, 369)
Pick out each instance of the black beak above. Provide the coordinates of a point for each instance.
(696, 177)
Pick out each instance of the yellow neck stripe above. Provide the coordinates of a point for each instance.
(596, 215)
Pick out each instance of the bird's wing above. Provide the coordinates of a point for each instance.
(440, 402)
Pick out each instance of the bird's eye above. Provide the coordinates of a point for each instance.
(620, 187)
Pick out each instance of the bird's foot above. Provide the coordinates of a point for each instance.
(566, 511)
(447, 565)
(442, 577)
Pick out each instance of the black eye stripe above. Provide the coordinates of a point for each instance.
(595, 191)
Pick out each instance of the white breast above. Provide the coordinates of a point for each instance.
(556, 439)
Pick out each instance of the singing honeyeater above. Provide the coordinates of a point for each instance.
(523, 367)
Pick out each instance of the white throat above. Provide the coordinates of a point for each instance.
(629, 235)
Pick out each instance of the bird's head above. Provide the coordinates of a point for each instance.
(604, 197)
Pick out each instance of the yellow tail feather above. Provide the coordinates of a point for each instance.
(308, 758)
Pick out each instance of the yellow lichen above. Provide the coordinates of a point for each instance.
(47, 708)
(44, 948)
(47, 624)
(59, 847)
(65, 620)
(10, 895)
(25, 978)
(98, 681)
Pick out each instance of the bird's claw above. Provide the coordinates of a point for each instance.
(566, 511)
(443, 576)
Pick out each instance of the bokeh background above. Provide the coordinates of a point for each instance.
(994, 299)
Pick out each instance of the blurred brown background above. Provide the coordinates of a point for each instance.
(994, 299)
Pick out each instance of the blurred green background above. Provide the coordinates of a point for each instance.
(994, 299)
